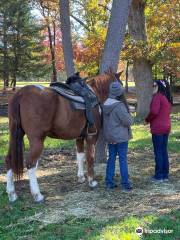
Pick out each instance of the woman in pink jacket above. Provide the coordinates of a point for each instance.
(160, 124)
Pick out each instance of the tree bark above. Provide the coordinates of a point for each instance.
(45, 10)
(53, 60)
(142, 72)
(142, 68)
(110, 57)
(15, 60)
(66, 37)
(5, 55)
(115, 34)
(127, 75)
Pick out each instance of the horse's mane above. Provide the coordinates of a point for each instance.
(100, 84)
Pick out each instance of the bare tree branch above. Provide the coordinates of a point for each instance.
(105, 7)
(81, 22)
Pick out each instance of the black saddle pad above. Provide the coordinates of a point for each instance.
(76, 100)
(64, 86)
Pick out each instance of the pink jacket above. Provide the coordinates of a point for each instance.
(159, 115)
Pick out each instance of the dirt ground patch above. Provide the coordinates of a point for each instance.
(65, 197)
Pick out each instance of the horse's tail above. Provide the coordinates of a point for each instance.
(16, 137)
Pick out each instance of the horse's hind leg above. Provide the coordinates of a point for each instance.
(36, 147)
(10, 189)
(90, 153)
(81, 157)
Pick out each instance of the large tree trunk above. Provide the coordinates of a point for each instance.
(66, 36)
(115, 34)
(142, 72)
(142, 68)
(110, 58)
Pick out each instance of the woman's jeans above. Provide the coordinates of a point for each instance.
(120, 149)
(160, 143)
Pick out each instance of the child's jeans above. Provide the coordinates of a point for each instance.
(161, 155)
(120, 149)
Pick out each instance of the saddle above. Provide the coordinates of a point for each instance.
(76, 101)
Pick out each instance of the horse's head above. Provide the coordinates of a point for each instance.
(114, 76)
(101, 82)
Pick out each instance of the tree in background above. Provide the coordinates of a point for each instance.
(4, 25)
(49, 11)
(162, 19)
(92, 16)
(142, 66)
(151, 45)
(58, 52)
(66, 36)
(111, 52)
(23, 42)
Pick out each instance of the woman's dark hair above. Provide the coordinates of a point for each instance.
(122, 98)
(164, 88)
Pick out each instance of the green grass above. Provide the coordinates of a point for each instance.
(46, 84)
(20, 221)
(130, 84)
(141, 138)
(125, 229)
(22, 84)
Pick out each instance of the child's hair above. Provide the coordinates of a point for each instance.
(164, 88)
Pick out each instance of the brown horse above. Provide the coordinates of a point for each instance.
(39, 112)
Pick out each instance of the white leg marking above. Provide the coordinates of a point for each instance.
(10, 189)
(81, 157)
(100, 111)
(38, 197)
(92, 183)
(37, 164)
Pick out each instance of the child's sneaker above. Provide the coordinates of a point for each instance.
(166, 179)
(111, 186)
(126, 188)
(156, 180)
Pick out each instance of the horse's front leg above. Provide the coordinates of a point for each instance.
(90, 153)
(81, 157)
(36, 147)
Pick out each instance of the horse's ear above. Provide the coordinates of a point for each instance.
(109, 71)
(119, 74)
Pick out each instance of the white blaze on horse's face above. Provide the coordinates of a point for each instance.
(38, 197)
(10, 189)
(81, 157)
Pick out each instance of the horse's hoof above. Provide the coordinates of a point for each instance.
(93, 184)
(81, 179)
(38, 198)
(12, 197)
